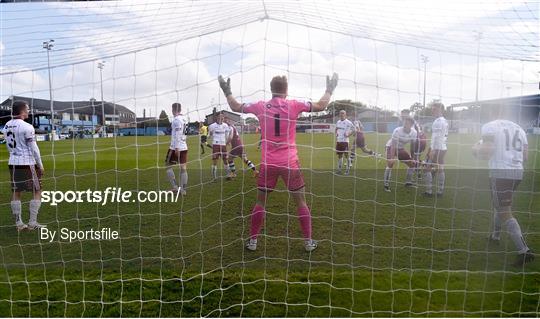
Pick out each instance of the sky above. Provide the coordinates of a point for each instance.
(159, 52)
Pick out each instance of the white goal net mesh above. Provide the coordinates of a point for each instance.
(379, 253)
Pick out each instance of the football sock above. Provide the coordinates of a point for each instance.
(16, 211)
(171, 176)
(257, 218)
(429, 182)
(249, 164)
(440, 180)
(352, 157)
(513, 228)
(497, 225)
(387, 176)
(183, 178)
(410, 172)
(304, 216)
(35, 204)
(232, 167)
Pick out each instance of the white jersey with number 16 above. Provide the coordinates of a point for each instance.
(509, 140)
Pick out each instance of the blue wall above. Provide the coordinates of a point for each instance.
(76, 123)
(369, 127)
(383, 127)
(390, 127)
(43, 122)
(149, 131)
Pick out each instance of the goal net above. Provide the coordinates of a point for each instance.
(107, 74)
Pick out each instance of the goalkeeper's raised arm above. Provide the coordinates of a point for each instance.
(331, 84)
(323, 102)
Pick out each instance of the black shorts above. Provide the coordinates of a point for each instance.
(25, 178)
(342, 147)
(219, 151)
(203, 139)
(237, 151)
(173, 157)
(502, 191)
(418, 146)
(401, 153)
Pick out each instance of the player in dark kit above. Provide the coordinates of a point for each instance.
(360, 142)
(418, 146)
(237, 150)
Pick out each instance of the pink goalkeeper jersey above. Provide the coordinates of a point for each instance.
(277, 118)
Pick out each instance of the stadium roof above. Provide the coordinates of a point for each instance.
(525, 100)
(83, 107)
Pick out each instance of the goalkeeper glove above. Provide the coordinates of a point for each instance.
(331, 83)
(225, 85)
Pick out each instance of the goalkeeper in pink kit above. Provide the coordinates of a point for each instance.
(279, 156)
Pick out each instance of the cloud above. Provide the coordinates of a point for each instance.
(388, 74)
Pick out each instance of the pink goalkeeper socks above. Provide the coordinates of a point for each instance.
(257, 218)
(304, 216)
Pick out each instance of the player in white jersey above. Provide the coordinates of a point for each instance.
(437, 151)
(177, 153)
(504, 144)
(344, 129)
(25, 165)
(396, 147)
(220, 135)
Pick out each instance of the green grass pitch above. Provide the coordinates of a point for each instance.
(380, 254)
